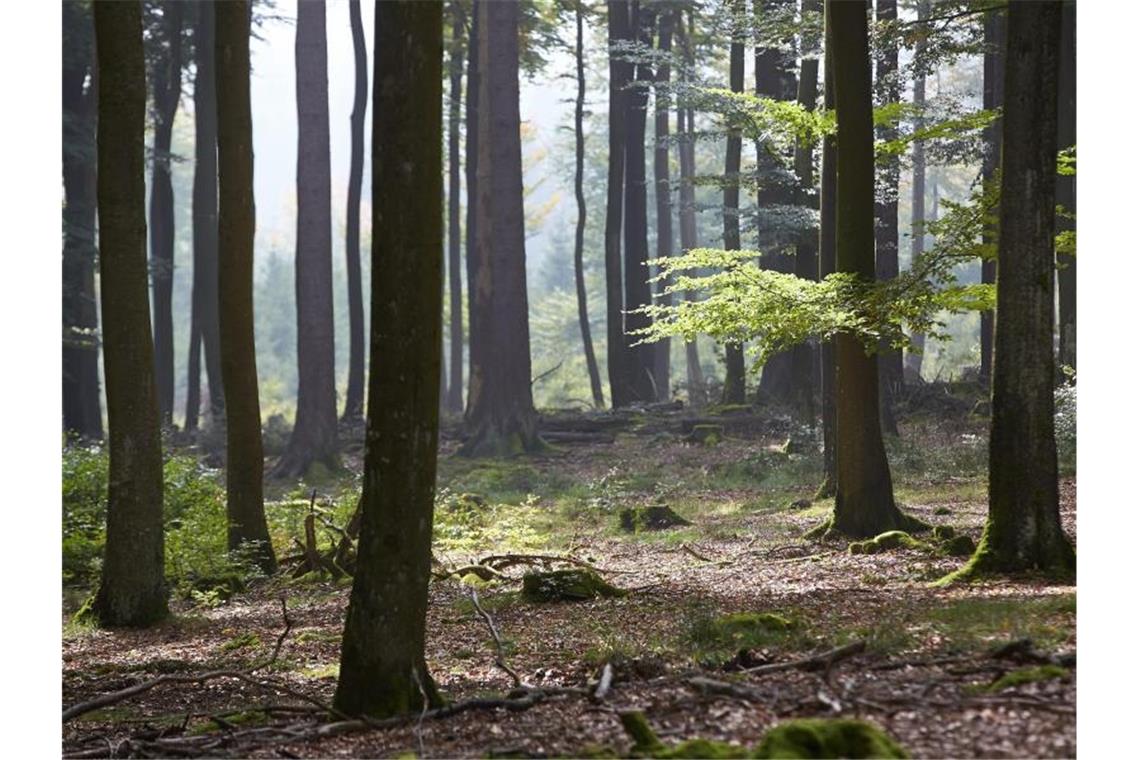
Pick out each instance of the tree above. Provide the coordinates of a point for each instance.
(204, 332)
(663, 188)
(500, 417)
(733, 352)
(621, 72)
(245, 506)
(354, 396)
(471, 160)
(166, 75)
(132, 587)
(580, 227)
(314, 431)
(913, 359)
(887, 206)
(1067, 186)
(993, 95)
(454, 401)
(827, 213)
(864, 499)
(390, 588)
(81, 407)
(1023, 529)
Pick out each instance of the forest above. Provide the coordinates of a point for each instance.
(568, 378)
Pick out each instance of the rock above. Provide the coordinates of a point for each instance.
(944, 532)
(709, 435)
(960, 546)
(653, 517)
(892, 539)
(574, 585)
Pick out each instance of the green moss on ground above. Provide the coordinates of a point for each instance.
(652, 517)
(574, 585)
(892, 539)
(1027, 675)
(827, 738)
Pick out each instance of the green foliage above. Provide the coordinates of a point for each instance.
(84, 512)
(1027, 675)
(713, 638)
(978, 623)
(467, 521)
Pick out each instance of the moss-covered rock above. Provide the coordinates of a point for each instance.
(653, 517)
(959, 546)
(892, 539)
(574, 585)
(943, 511)
(1027, 675)
(646, 743)
(944, 532)
(827, 738)
(709, 435)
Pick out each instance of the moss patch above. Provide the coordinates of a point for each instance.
(653, 517)
(892, 539)
(1027, 675)
(566, 586)
(823, 738)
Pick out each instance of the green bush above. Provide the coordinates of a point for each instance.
(1065, 423)
(84, 511)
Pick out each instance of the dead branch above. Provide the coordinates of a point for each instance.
(821, 661)
(605, 682)
(500, 659)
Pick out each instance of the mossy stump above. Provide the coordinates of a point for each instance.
(652, 517)
(708, 435)
(824, 738)
(575, 585)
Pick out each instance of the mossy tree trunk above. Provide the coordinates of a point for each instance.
(621, 71)
(887, 210)
(454, 400)
(733, 392)
(132, 587)
(864, 499)
(663, 190)
(1067, 185)
(314, 437)
(827, 182)
(993, 95)
(501, 417)
(354, 394)
(382, 666)
(1023, 529)
(82, 415)
(245, 506)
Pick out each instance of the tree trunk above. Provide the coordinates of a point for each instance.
(580, 228)
(663, 193)
(621, 71)
(245, 506)
(864, 499)
(314, 432)
(1023, 530)
(733, 352)
(993, 96)
(354, 395)
(454, 256)
(827, 214)
(912, 361)
(82, 415)
(1067, 185)
(390, 588)
(132, 589)
(687, 216)
(167, 74)
(204, 300)
(887, 211)
(471, 117)
(501, 418)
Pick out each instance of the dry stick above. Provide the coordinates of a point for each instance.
(499, 659)
(694, 553)
(605, 682)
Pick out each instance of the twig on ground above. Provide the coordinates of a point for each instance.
(500, 659)
(605, 682)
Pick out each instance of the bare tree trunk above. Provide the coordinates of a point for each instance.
(580, 228)
(621, 71)
(132, 587)
(390, 588)
(827, 213)
(912, 360)
(1067, 186)
(245, 506)
(993, 95)
(314, 437)
(354, 395)
(454, 256)
(471, 117)
(663, 193)
(687, 216)
(734, 392)
(887, 212)
(167, 75)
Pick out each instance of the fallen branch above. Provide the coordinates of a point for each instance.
(605, 682)
(500, 659)
(820, 661)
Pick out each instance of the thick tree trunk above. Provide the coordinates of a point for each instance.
(245, 506)
(132, 589)
(390, 588)
(912, 360)
(204, 299)
(1023, 531)
(471, 147)
(993, 96)
(687, 217)
(887, 212)
(502, 420)
(354, 395)
(864, 499)
(734, 392)
(314, 432)
(1067, 186)
(827, 213)
(621, 71)
(454, 247)
(82, 415)
(663, 193)
(580, 228)
(167, 87)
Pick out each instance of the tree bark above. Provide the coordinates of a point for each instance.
(390, 588)
(82, 415)
(912, 360)
(314, 437)
(354, 395)
(471, 147)
(501, 419)
(621, 71)
(454, 257)
(245, 506)
(580, 228)
(827, 214)
(734, 392)
(167, 76)
(1023, 530)
(687, 215)
(887, 211)
(993, 96)
(132, 588)
(1067, 185)
(663, 192)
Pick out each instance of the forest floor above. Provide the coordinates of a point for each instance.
(933, 672)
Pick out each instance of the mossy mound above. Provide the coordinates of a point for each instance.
(827, 738)
(646, 743)
(1027, 675)
(709, 435)
(892, 539)
(653, 517)
(959, 546)
(944, 532)
(943, 511)
(566, 586)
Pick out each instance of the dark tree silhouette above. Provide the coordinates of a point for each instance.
(81, 406)
(887, 209)
(1023, 530)
(132, 587)
(354, 396)
(390, 588)
(663, 189)
(912, 360)
(1067, 185)
(471, 161)
(621, 72)
(827, 212)
(314, 432)
(501, 417)
(245, 506)
(993, 95)
(454, 401)
(733, 352)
